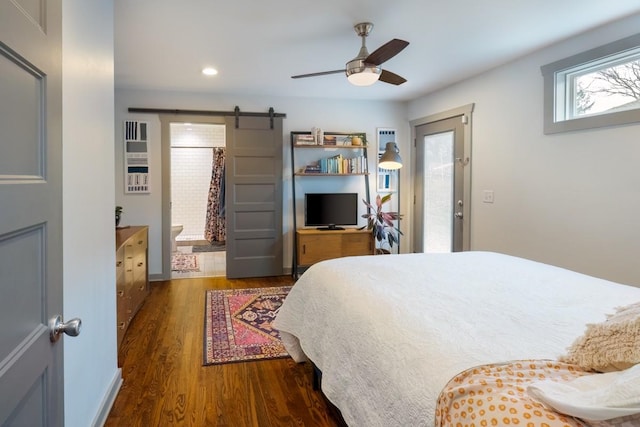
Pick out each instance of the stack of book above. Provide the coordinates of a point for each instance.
(312, 168)
(305, 140)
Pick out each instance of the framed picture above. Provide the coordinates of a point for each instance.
(387, 180)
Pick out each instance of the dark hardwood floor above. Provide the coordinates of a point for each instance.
(165, 383)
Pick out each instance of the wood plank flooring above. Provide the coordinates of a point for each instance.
(165, 383)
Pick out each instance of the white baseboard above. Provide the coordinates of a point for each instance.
(108, 400)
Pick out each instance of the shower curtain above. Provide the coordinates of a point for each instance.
(216, 225)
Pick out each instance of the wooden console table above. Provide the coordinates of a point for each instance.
(319, 245)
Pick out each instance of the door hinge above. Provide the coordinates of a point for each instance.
(465, 119)
(414, 199)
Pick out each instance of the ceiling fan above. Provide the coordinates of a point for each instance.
(364, 69)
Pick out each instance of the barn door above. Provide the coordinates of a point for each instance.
(253, 196)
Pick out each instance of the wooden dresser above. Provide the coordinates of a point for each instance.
(132, 275)
(319, 245)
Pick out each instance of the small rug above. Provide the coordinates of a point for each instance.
(213, 247)
(184, 262)
(237, 325)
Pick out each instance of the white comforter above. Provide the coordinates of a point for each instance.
(388, 332)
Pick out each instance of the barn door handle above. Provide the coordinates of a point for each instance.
(57, 327)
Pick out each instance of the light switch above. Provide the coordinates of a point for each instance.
(487, 196)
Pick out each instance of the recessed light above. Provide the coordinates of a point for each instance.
(209, 71)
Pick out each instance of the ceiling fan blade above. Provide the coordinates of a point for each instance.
(322, 73)
(386, 52)
(392, 78)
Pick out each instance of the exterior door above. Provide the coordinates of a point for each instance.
(439, 186)
(31, 368)
(253, 197)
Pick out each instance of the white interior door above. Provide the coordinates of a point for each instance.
(31, 377)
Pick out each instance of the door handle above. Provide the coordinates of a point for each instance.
(458, 215)
(57, 327)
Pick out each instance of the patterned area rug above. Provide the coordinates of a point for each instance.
(237, 325)
(184, 262)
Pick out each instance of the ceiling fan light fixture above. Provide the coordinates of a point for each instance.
(361, 74)
(209, 71)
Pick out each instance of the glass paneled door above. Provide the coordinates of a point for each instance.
(439, 186)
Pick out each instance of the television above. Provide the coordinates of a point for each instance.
(328, 211)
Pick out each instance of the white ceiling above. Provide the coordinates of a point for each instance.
(258, 45)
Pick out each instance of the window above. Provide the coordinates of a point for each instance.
(596, 88)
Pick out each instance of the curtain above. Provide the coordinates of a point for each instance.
(216, 225)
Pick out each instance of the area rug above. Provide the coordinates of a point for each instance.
(237, 325)
(184, 262)
(212, 247)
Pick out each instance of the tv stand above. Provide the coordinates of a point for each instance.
(330, 227)
(315, 245)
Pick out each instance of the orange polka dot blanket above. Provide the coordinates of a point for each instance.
(496, 395)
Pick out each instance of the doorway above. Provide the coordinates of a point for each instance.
(442, 182)
(252, 190)
(198, 223)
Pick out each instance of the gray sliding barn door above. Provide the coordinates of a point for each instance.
(31, 366)
(253, 196)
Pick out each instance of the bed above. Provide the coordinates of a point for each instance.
(389, 333)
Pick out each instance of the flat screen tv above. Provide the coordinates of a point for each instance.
(328, 211)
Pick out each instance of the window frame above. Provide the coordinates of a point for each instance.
(554, 83)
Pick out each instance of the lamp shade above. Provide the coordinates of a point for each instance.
(361, 74)
(366, 77)
(391, 157)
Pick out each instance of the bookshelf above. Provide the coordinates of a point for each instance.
(326, 156)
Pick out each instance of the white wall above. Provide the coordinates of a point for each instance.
(90, 364)
(302, 114)
(569, 199)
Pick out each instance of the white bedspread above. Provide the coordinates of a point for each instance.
(389, 331)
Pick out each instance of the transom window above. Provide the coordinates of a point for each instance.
(597, 88)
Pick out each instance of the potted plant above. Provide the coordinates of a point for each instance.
(358, 139)
(381, 223)
(118, 214)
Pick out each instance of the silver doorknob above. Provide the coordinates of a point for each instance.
(57, 327)
(458, 214)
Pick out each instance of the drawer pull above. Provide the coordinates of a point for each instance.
(118, 264)
(140, 264)
(142, 288)
(304, 249)
(121, 325)
(140, 242)
(120, 293)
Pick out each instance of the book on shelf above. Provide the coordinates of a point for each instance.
(306, 140)
(329, 140)
(312, 168)
(339, 164)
